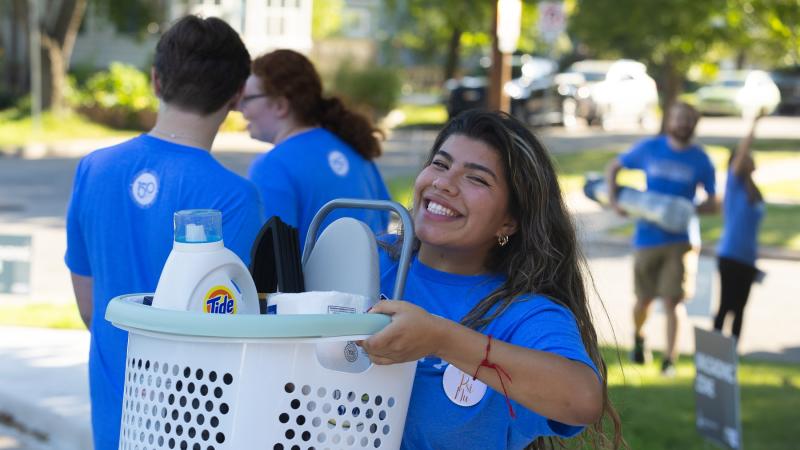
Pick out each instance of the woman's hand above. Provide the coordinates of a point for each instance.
(413, 334)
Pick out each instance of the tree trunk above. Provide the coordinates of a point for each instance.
(17, 71)
(741, 59)
(672, 88)
(453, 54)
(58, 40)
(54, 75)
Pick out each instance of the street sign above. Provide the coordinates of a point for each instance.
(509, 16)
(551, 20)
(716, 389)
(15, 264)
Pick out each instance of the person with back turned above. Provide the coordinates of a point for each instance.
(119, 221)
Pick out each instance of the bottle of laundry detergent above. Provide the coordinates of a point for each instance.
(200, 273)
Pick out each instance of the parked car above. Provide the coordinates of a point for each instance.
(470, 91)
(534, 95)
(603, 92)
(739, 93)
(788, 81)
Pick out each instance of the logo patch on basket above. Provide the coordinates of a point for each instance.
(460, 388)
(351, 352)
(220, 300)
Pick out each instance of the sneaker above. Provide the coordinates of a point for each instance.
(640, 354)
(668, 368)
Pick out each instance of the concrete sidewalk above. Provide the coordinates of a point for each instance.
(44, 392)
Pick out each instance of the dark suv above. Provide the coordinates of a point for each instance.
(470, 91)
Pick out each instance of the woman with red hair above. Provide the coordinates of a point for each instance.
(322, 150)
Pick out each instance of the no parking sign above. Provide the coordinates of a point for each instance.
(551, 20)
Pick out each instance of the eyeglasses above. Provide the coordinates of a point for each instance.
(247, 98)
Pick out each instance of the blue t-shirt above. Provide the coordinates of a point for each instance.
(434, 421)
(120, 232)
(742, 220)
(672, 172)
(306, 171)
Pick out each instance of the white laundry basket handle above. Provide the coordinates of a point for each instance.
(405, 218)
(129, 312)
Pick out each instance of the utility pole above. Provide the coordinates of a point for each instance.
(36, 66)
(505, 33)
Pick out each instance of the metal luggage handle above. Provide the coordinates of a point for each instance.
(384, 205)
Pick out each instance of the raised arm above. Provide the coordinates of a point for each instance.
(738, 163)
(553, 386)
(82, 286)
(612, 169)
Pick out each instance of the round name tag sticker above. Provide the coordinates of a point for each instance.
(460, 388)
(144, 189)
(338, 162)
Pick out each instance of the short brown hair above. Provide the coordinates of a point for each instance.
(200, 64)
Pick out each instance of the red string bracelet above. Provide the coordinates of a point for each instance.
(500, 372)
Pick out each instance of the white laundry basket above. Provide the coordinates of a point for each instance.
(196, 381)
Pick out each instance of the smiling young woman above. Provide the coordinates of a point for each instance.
(496, 310)
(461, 206)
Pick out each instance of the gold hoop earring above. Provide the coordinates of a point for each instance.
(502, 240)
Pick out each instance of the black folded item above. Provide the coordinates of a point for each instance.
(275, 260)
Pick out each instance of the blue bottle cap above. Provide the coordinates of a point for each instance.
(198, 226)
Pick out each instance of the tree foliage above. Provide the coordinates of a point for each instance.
(764, 32)
(670, 37)
(58, 24)
(440, 31)
(326, 18)
(434, 29)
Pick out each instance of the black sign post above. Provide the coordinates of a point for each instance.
(716, 389)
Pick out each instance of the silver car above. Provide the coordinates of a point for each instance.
(739, 93)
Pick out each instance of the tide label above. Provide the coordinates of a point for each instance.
(220, 300)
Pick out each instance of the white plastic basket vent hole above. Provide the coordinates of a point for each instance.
(322, 417)
(167, 406)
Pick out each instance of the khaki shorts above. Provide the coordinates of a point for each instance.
(666, 271)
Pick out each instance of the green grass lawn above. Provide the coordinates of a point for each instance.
(16, 131)
(423, 115)
(658, 413)
(779, 228)
(47, 315)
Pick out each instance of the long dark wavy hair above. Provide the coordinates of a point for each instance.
(543, 256)
(291, 75)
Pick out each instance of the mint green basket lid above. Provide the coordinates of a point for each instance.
(128, 311)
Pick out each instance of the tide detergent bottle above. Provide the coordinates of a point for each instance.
(200, 273)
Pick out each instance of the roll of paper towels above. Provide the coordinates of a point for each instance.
(343, 356)
(316, 302)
